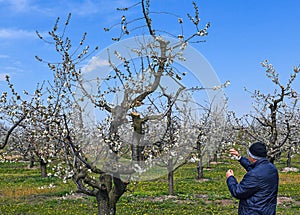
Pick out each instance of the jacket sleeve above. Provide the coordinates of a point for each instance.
(246, 188)
(245, 163)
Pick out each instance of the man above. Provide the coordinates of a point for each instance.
(258, 190)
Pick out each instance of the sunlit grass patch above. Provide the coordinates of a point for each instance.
(24, 191)
(289, 178)
(289, 185)
(49, 207)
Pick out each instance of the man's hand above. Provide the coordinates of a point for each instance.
(229, 173)
(234, 152)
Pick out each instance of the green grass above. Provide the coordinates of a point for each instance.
(23, 191)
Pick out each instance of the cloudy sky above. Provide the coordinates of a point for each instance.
(242, 34)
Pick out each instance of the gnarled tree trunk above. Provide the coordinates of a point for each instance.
(103, 203)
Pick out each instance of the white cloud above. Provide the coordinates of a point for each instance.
(88, 7)
(7, 33)
(95, 63)
(17, 5)
(20, 5)
(2, 55)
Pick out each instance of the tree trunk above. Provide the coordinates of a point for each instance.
(289, 159)
(31, 160)
(43, 166)
(103, 204)
(140, 153)
(200, 162)
(200, 169)
(112, 189)
(215, 159)
(208, 160)
(134, 152)
(137, 148)
(170, 177)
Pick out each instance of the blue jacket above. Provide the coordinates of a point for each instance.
(258, 189)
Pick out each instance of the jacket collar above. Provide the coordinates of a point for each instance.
(258, 162)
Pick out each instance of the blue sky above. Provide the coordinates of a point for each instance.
(242, 34)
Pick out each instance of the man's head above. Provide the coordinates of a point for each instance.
(257, 151)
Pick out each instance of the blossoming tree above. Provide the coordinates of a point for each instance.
(104, 124)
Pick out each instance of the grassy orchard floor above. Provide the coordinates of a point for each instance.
(23, 191)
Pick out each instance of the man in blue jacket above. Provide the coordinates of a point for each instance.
(258, 189)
